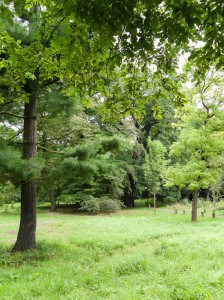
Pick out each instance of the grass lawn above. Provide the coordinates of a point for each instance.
(131, 254)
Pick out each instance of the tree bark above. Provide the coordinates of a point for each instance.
(154, 203)
(53, 201)
(26, 238)
(129, 193)
(194, 206)
(129, 201)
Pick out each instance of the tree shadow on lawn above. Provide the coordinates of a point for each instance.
(71, 209)
(44, 251)
(63, 209)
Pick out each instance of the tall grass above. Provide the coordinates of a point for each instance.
(127, 255)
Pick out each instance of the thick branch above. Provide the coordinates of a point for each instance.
(51, 35)
(209, 115)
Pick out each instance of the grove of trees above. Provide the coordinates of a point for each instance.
(94, 110)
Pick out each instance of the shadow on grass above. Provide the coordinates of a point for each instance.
(45, 251)
(70, 210)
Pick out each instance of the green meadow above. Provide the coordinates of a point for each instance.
(130, 254)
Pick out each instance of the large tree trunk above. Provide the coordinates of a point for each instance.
(26, 238)
(194, 206)
(129, 201)
(129, 194)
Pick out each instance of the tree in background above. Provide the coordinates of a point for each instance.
(91, 170)
(154, 168)
(215, 192)
(198, 154)
(146, 98)
(8, 193)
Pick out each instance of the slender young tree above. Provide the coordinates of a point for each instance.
(154, 168)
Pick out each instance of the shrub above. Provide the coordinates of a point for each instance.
(90, 204)
(107, 204)
(104, 204)
(185, 201)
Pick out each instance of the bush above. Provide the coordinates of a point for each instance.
(90, 204)
(185, 201)
(103, 204)
(107, 204)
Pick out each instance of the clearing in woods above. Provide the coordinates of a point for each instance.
(131, 254)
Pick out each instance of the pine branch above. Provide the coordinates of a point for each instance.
(49, 150)
(61, 136)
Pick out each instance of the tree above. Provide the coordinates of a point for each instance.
(197, 155)
(30, 61)
(55, 134)
(141, 100)
(216, 189)
(91, 171)
(154, 167)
